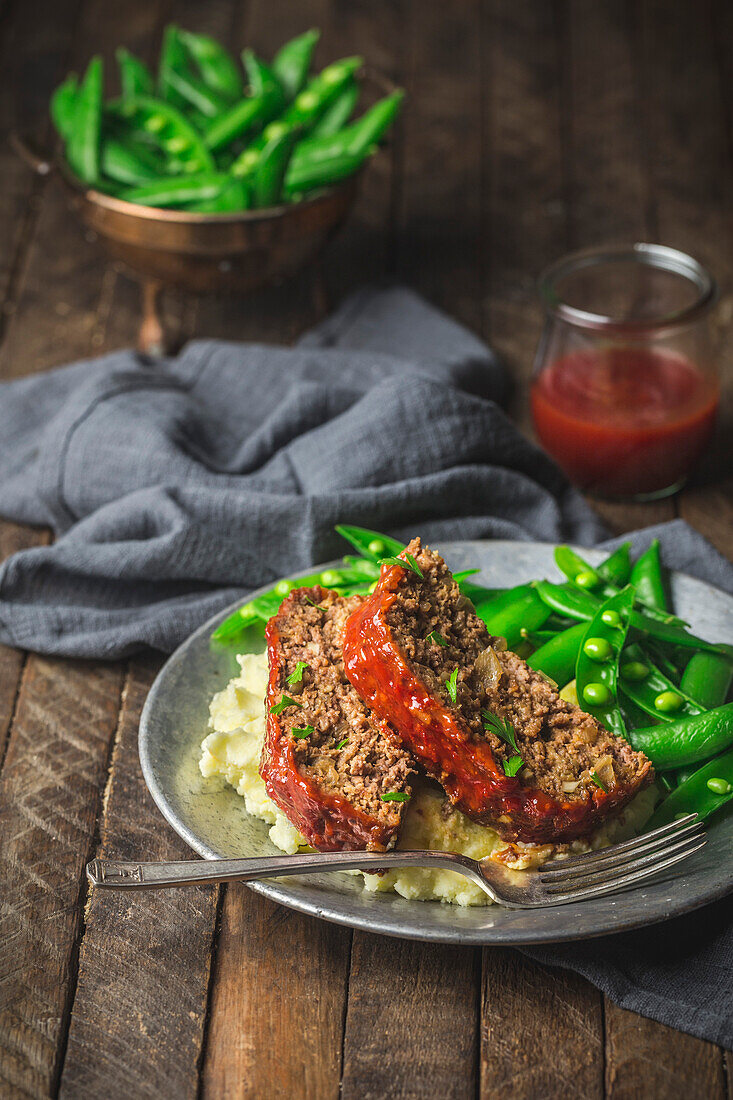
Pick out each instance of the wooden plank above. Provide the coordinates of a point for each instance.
(644, 1058)
(541, 1031)
(49, 798)
(411, 1027)
(141, 999)
(277, 1004)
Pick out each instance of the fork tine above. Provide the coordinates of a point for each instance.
(663, 830)
(607, 858)
(624, 880)
(598, 875)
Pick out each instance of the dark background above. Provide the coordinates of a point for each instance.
(531, 127)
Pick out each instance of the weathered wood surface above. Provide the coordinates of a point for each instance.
(531, 128)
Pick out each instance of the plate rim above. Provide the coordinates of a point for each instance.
(278, 892)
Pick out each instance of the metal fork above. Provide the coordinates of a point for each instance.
(556, 883)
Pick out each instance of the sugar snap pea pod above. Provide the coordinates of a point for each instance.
(707, 678)
(596, 670)
(169, 128)
(648, 579)
(255, 111)
(616, 569)
(177, 84)
(293, 60)
(63, 105)
(129, 163)
(216, 66)
(235, 196)
(304, 177)
(320, 92)
(178, 190)
(358, 138)
(651, 690)
(689, 740)
(705, 791)
(338, 114)
(82, 146)
(135, 76)
(372, 545)
(580, 573)
(505, 615)
(558, 656)
(267, 179)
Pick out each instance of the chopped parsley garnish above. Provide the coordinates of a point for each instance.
(342, 743)
(395, 796)
(512, 766)
(594, 776)
(302, 731)
(284, 703)
(408, 562)
(452, 685)
(314, 604)
(433, 636)
(296, 676)
(501, 727)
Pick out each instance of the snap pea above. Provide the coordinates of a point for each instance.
(558, 656)
(128, 163)
(688, 740)
(292, 62)
(304, 177)
(338, 114)
(169, 128)
(135, 76)
(267, 180)
(694, 795)
(707, 678)
(175, 82)
(320, 92)
(178, 190)
(358, 138)
(616, 568)
(215, 65)
(372, 545)
(649, 691)
(506, 614)
(82, 148)
(646, 576)
(597, 680)
(234, 196)
(574, 567)
(256, 110)
(63, 105)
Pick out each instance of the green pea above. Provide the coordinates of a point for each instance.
(719, 786)
(377, 547)
(154, 123)
(634, 671)
(275, 130)
(611, 617)
(373, 587)
(282, 588)
(598, 649)
(587, 579)
(597, 694)
(330, 578)
(306, 101)
(668, 702)
(246, 610)
(176, 144)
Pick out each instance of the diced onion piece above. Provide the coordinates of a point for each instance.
(604, 771)
(570, 787)
(488, 667)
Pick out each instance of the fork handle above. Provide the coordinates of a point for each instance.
(152, 876)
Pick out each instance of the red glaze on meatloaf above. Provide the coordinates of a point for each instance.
(330, 766)
(417, 642)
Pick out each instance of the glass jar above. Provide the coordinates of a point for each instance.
(625, 389)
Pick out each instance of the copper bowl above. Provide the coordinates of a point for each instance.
(203, 253)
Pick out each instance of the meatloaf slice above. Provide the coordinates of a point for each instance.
(420, 657)
(338, 774)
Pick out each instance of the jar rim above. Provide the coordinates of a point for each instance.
(658, 256)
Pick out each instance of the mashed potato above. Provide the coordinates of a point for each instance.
(231, 752)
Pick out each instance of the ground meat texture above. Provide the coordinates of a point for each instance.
(331, 781)
(413, 642)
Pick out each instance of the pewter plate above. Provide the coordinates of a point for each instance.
(215, 824)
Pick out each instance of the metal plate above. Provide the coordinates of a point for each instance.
(215, 824)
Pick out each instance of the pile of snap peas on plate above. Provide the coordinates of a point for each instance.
(607, 637)
(202, 135)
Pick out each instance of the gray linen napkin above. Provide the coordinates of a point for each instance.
(176, 487)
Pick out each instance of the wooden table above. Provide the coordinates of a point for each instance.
(532, 127)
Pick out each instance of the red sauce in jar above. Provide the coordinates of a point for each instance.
(624, 421)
